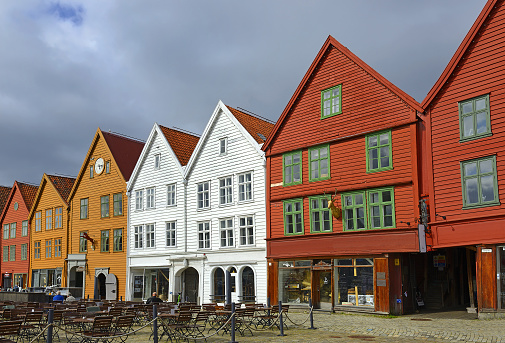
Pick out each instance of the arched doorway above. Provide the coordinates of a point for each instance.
(248, 289)
(100, 291)
(219, 286)
(190, 285)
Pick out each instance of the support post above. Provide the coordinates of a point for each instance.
(228, 287)
(281, 323)
(155, 323)
(232, 331)
(50, 319)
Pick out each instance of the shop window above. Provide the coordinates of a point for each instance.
(295, 281)
(354, 282)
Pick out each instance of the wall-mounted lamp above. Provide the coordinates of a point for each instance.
(439, 215)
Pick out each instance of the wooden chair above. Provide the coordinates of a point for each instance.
(9, 330)
(123, 325)
(102, 327)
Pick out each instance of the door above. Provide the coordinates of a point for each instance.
(323, 289)
(111, 287)
(190, 291)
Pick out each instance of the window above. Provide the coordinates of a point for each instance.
(203, 195)
(204, 235)
(474, 119)
(319, 162)
(139, 236)
(292, 167)
(293, 217)
(372, 209)
(83, 242)
(84, 208)
(246, 226)
(150, 198)
(118, 239)
(118, 204)
(104, 241)
(107, 167)
(49, 219)
(24, 252)
(36, 250)
(479, 182)
(6, 231)
(58, 217)
(5, 254)
(226, 232)
(57, 247)
(171, 195)
(225, 191)
(104, 206)
(12, 253)
(331, 101)
(38, 221)
(49, 252)
(139, 200)
(378, 152)
(245, 187)
(223, 146)
(320, 215)
(24, 228)
(13, 230)
(157, 161)
(90, 172)
(170, 231)
(150, 236)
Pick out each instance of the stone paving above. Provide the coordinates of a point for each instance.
(340, 327)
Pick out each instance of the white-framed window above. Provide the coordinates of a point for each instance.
(204, 235)
(171, 195)
(245, 187)
(13, 230)
(223, 146)
(138, 236)
(150, 198)
(226, 232)
(171, 234)
(246, 227)
(203, 195)
(157, 161)
(139, 200)
(150, 236)
(226, 190)
(49, 219)
(6, 231)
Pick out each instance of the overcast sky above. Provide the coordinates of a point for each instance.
(69, 67)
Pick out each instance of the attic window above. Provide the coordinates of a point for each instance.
(223, 146)
(157, 160)
(331, 101)
(262, 136)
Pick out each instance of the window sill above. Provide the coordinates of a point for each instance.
(227, 205)
(320, 232)
(469, 207)
(203, 209)
(294, 234)
(378, 170)
(321, 179)
(473, 138)
(245, 201)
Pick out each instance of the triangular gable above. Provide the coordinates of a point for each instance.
(183, 144)
(226, 111)
(460, 52)
(333, 43)
(61, 184)
(255, 126)
(4, 196)
(27, 192)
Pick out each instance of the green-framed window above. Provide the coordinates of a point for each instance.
(118, 204)
(292, 168)
(379, 154)
(24, 252)
(118, 239)
(474, 118)
(104, 241)
(24, 228)
(479, 182)
(331, 101)
(370, 209)
(104, 206)
(12, 253)
(320, 215)
(293, 217)
(84, 208)
(319, 163)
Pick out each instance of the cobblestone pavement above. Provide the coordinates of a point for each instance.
(340, 327)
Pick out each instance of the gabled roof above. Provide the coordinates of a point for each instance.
(27, 193)
(329, 44)
(4, 196)
(458, 55)
(182, 143)
(62, 184)
(255, 126)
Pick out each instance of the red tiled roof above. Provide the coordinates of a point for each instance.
(126, 152)
(28, 192)
(4, 196)
(182, 143)
(62, 184)
(253, 125)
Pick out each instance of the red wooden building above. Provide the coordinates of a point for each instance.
(15, 235)
(349, 135)
(464, 182)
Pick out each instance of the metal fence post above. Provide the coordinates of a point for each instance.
(232, 331)
(50, 318)
(311, 315)
(155, 323)
(281, 323)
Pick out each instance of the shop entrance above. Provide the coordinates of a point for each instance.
(322, 289)
(190, 285)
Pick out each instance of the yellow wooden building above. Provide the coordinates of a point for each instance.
(98, 216)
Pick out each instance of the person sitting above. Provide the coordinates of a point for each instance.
(58, 297)
(70, 298)
(154, 299)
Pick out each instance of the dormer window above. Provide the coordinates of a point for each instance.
(223, 146)
(157, 161)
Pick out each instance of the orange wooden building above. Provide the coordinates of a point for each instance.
(464, 179)
(49, 226)
(15, 235)
(349, 135)
(98, 217)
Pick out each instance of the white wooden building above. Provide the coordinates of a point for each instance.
(218, 222)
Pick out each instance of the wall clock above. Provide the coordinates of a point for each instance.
(99, 164)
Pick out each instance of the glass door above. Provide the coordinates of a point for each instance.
(325, 288)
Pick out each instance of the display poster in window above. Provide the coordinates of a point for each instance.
(137, 286)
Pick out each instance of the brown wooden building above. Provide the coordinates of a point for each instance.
(464, 182)
(349, 135)
(15, 235)
(49, 227)
(98, 217)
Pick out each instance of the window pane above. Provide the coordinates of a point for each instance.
(314, 169)
(296, 158)
(348, 200)
(326, 94)
(466, 107)
(360, 218)
(296, 173)
(358, 199)
(384, 152)
(468, 126)
(480, 104)
(314, 154)
(472, 194)
(487, 184)
(324, 168)
(384, 138)
(471, 169)
(349, 219)
(372, 141)
(486, 166)
(323, 152)
(374, 197)
(386, 196)
(481, 122)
